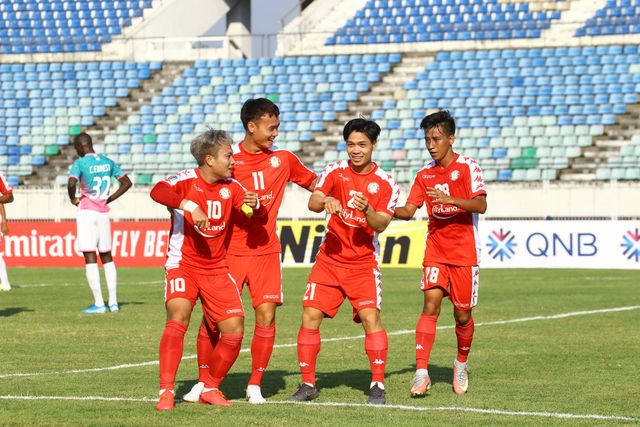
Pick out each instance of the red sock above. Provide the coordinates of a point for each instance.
(261, 349)
(207, 340)
(225, 353)
(425, 336)
(464, 333)
(308, 349)
(376, 345)
(171, 347)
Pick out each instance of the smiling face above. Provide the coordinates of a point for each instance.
(264, 131)
(221, 164)
(360, 149)
(439, 145)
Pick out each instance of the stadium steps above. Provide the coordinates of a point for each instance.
(390, 88)
(574, 16)
(59, 164)
(608, 144)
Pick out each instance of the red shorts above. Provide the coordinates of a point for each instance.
(329, 285)
(460, 283)
(218, 292)
(261, 273)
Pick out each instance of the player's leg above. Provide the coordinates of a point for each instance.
(87, 236)
(4, 278)
(433, 284)
(464, 295)
(308, 349)
(376, 345)
(208, 337)
(222, 306)
(264, 335)
(104, 249)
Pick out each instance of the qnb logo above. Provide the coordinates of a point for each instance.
(501, 244)
(631, 245)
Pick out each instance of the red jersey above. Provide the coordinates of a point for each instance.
(267, 173)
(452, 236)
(190, 246)
(5, 188)
(349, 239)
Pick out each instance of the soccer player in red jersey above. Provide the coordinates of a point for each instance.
(201, 201)
(453, 189)
(6, 196)
(359, 199)
(254, 248)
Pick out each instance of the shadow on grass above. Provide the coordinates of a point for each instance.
(235, 384)
(12, 311)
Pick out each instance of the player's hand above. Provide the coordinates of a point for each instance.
(439, 196)
(200, 219)
(360, 202)
(75, 201)
(332, 206)
(5, 228)
(251, 199)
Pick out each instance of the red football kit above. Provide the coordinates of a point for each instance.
(452, 250)
(347, 262)
(196, 258)
(267, 173)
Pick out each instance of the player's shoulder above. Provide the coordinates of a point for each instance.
(183, 175)
(385, 176)
(466, 160)
(468, 164)
(334, 166)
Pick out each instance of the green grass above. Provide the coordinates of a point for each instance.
(584, 364)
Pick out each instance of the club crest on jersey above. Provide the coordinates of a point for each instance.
(225, 193)
(373, 188)
(454, 175)
(275, 162)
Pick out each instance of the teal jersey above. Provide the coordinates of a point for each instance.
(94, 173)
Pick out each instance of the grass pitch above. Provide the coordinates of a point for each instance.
(551, 347)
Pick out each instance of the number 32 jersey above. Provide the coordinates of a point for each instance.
(452, 236)
(94, 172)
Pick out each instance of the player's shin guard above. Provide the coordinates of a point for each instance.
(261, 349)
(224, 355)
(93, 277)
(171, 348)
(308, 349)
(464, 333)
(376, 345)
(425, 336)
(111, 277)
(207, 340)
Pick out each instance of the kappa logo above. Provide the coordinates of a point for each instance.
(501, 244)
(419, 347)
(631, 245)
(378, 362)
(225, 193)
(303, 364)
(344, 178)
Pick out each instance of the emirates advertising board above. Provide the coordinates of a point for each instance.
(503, 244)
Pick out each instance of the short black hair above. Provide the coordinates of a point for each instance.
(83, 139)
(367, 127)
(254, 109)
(441, 119)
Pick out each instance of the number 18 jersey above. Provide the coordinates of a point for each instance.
(452, 236)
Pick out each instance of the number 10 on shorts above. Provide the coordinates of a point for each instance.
(177, 285)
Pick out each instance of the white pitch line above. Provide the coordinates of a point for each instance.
(355, 337)
(353, 405)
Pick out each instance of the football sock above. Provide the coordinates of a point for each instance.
(464, 333)
(93, 277)
(206, 342)
(376, 345)
(308, 349)
(425, 336)
(111, 276)
(225, 353)
(4, 279)
(261, 349)
(171, 347)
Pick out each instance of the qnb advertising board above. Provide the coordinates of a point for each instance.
(504, 244)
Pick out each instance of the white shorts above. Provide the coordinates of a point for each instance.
(94, 231)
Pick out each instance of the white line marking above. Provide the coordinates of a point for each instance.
(401, 332)
(352, 405)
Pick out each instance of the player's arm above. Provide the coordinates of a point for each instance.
(125, 184)
(3, 218)
(71, 190)
(405, 212)
(477, 204)
(376, 220)
(312, 185)
(258, 212)
(319, 202)
(6, 198)
(166, 195)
